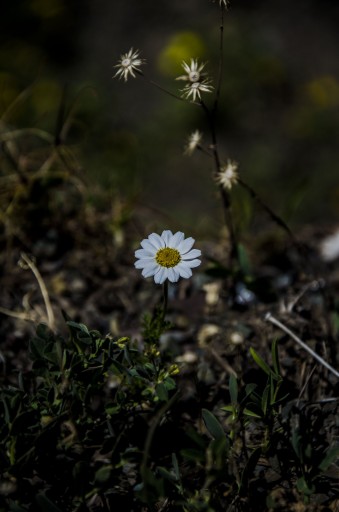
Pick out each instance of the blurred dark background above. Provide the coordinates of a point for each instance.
(278, 114)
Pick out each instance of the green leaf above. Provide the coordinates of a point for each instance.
(162, 392)
(275, 357)
(152, 486)
(170, 383)
(166, 474)
(264, 399)
(37, 348)
(103, 474)
(120, 367)
(6, 410)
(295, 440)
(233, 386)
(249, 468)
(175, 466)
(213, 425)
(249, 390)
(304, 487)
(80, 332)
(250, 413)
(332, 455)
(44, 332)
(193, 454)
(229, 408)
(78, 327)
(261, 363)
(217, 451)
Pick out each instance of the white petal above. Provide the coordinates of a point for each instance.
(144, 262)
(146, 244)
(192, 263)
(156, 240)
(160, 275)
(185, 245)
(186, 67)
(139, 264)
(142, 253)
(194, 253)
(166, 235)
(149, 271)
(176, 239)
(184, 270)
(173, 275)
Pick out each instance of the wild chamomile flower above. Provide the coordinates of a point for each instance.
(198, 81)
(128, 63)
(167, 256)
(227, 175)
(193, 142)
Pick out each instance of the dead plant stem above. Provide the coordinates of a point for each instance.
(270, 318)
(43, 289)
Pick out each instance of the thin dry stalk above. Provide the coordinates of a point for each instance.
(270, 318)
(30, 264)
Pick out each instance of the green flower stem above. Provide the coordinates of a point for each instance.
(165, 300)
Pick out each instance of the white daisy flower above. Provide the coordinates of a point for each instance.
(193, 142)
(128, 63)
(167, 256)
(227, 175)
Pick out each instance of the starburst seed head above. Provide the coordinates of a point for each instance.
(195, 89)
(193, 72)
(227, 175)
(193, 142)
(223, 3)
(128, 64)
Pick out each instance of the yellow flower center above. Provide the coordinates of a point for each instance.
(168, 257)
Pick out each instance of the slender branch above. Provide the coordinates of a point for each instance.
(162, 89)
(278, 220)
(221, 61)
(270, 318)
(21, 315)
(222, 362)
(225, 197)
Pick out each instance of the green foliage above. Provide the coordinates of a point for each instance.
(97, 418)
(72, 422)
(154, 325)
